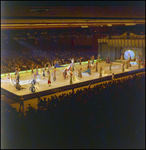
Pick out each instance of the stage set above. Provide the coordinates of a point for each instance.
(116, 55)
(64, 76)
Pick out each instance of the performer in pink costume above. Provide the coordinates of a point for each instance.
(96, 66)
(49, 80)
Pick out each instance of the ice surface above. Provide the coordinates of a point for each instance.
(42, 84)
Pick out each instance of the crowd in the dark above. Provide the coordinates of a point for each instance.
(26, 53)
(109, 115)
(19, 47)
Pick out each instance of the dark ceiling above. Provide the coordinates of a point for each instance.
(44, 14)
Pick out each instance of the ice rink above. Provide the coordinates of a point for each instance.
(42, 83)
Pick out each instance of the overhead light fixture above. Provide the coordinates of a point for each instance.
(40, 10)
(84, 26)
(109, 25)
(130, 24)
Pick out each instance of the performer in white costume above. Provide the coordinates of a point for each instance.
(72, 60)
(11, 81)
(98, 57)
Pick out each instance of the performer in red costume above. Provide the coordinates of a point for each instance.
(49, 80)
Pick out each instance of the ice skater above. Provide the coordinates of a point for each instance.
(137, 58)
(11, 81)
(139, 64)
(98, 57)
(8, 76)
(15, 71)
(72, 67)
(18, 76)
(129, 56)
(126, 64)
(18, 86)
(43, 72)
(72, 60)
(71, 75)
(110, 67)
(89, 70)
(49, 80)
(123, 69)
(107, 59)
(35, 75)
(33, 81)
(96, 66)
(55, 62)
(92, 59)
(65, 73)
(54, 77)
(45, 65)
(32, 88)
(32, 66)
(100, 73)
(48, 71)
(88, 64)
(80, 73)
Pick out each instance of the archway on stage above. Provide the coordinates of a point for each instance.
(129, 53)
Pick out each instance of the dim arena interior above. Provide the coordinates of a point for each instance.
(73, 77)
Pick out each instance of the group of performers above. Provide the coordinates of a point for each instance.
(17, 77)
(68, 72)
(65, 75)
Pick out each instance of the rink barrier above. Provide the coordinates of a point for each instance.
(68, 87)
